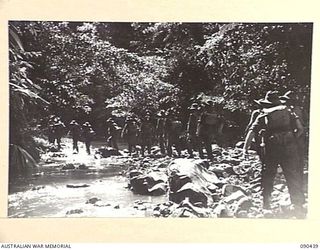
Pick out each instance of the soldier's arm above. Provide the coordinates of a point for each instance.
(299, 130)
(297, 124)
(124, 130)
(247, 143)
(257, 125)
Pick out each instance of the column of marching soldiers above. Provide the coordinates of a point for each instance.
(204, 125)
(275, 127)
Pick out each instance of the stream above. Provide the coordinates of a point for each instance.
(44, 192)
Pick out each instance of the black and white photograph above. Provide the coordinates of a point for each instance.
(159, 119)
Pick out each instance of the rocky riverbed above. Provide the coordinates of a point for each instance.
(112, 184)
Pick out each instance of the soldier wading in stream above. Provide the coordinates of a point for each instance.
(280, 128)
(88, 134)
(75, 131)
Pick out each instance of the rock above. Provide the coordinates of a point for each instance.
(37, 188)
(106, 152)
(38, 174)
(190, 179)
(53, 148)
(244, 204)
(242, 214)
(75, 211)
(229, 189)
(117, 207)
(222, 211)
(83, 167)
(158, 189)
(232, 161)
(156, 213)
(93, 200)
(280, 187)
(216, 150)
(152, 183)
(212, 188)
(77, 185)
(268, 214)
(239, 144)
(139, 184)
(101, 204)
(134, 173)
(191, 191)
(68, 166)
(234, 197)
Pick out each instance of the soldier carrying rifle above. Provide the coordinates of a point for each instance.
(281, 127)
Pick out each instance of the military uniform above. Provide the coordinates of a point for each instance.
(88, 135)
(160, 131)
(130, 133)
(281, 149)
(173, 128)
(301, 140)
(146, 134)
(112, 133)
(210, 126)
(75, 131)
(192, 126)
(59, 128)
(51, 129)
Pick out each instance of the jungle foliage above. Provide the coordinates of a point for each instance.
(90, 71)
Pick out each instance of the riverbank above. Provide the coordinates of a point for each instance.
(80, 185)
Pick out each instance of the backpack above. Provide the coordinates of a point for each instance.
(279, 119)
(211, 119)
(280, 124)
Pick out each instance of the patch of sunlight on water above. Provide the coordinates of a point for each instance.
(47, 194)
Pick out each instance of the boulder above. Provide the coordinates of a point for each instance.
(152, 183)
(158, 189)
(74, 211)
(83, 167)
(77, 185)
(190, 179)
(106, 152)
(68, 166)
(234, 197)
(37, 188)
(229, 189)
(191, 191)
(239, 144)
(93, 200)
(222, 211)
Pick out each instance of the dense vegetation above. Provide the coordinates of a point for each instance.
(90, 71)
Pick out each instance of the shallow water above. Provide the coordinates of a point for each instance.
(44, 192)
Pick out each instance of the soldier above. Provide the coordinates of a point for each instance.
(210, 126)
(281, 128)
(59, 128)
(258, 139)
(51, 129)
(75, 131)
(160, 131)
(113, 133)
(173, 128)
(146, 133)
(291, 103)
(88, 135)
(130, 133)
(192, 138)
